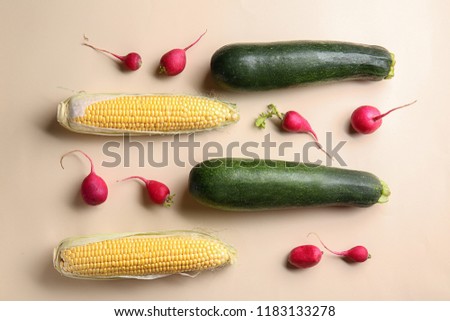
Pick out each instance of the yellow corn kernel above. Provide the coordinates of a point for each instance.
(118, 114)
(141, 255)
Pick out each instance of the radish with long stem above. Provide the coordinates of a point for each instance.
(291, 121)
(367, 119)
(173, 62)
(132, 61)
(158, 192)
(357, 253)
(94, 190)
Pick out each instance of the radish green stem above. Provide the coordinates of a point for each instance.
(273, 111)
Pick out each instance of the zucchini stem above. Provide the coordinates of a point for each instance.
(391, 69)
(385, 192)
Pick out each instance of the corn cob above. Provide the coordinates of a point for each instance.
(141, 255)
(118, 114)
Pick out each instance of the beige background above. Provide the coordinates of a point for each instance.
(407, 237)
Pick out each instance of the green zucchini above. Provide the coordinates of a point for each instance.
(264, 66)
(257, 184)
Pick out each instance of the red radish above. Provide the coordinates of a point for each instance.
(173, 62)
(296, 123)
(94, 190)
(305, 256)
(132, 61)
(158, 192)
(367, 119)
(291, 121)
(356, 254)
